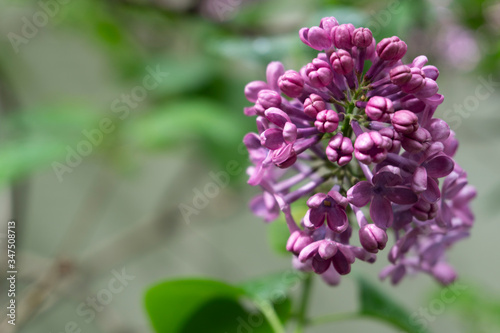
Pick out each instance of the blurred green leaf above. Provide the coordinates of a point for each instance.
(217, 131)
(376, 304)
(171, 304)
(197, 305)
(274, 287)
(22, 158)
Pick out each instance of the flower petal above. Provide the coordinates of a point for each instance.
(432, 193)
(381, 212)
(314, 218)
(309, 251)
(277, 116)
(439, 166)
(336, 219)
(272, 138)
(419, 182)
(401, 195)
(320, 265)
(360, 194)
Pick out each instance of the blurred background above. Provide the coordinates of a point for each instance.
(117, 114)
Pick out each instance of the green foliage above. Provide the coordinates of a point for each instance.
(378, 305)
(198, 305)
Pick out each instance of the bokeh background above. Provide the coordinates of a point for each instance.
(82, 217)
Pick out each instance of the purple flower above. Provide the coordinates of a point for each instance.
(384, 189)
(291, 83)
(342, 62)
(313, 105)
(391, 49)
(342, 36)
(372, 238)
(379, 108)
(371, 147)
(362, 37)
(319, 73)
(330, 206)
(307, 122)
(315, 37)
(339, 149)
(405, 122)
(327, 121)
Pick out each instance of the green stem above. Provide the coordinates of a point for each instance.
(268, 310)
(306, 292)
(334, 317)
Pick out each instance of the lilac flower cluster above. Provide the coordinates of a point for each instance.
(364, 146)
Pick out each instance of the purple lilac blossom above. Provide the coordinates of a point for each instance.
(345, 139)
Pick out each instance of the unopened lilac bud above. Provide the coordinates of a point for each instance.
(405, 122)
(328, 23)
(444, 273)
(315, 37)
(412, 103)
(400, 75)
(450, 145)
(394, 137)
(362, 37)
(372, 238)
(339, 149)
(431, 72)
(290, 132)
(415, 83)
(379, 108)
(327, 121)
(391, 49)
(253, 88)
(313, 105)
(439, 129)
(417, 141)
(291, 83)
(268, 99)
(429, 88)
(342, 62)
(424, 210)
(297, 241)
(319, 73)
(371, 147)
(419, 61)
(273, 71)
(342, 36)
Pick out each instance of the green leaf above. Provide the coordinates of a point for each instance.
(376, 304)
(273, 287)
(21, 158)
(172, 304)
(208, 306)
(217, 131)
